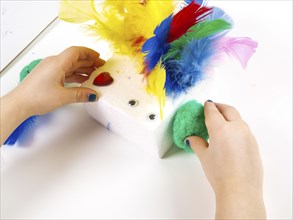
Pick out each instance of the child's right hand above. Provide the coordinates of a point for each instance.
(231, 162)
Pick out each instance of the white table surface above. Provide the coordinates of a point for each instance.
(21, 22)
(76, 169)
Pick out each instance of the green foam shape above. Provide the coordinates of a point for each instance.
(27, 69)
(189, 120)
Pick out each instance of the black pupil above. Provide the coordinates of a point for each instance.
(152, 116)
(132, 102)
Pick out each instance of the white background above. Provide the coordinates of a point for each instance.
(74, 168)
(21, 22)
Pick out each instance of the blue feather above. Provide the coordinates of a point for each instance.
(200, 2)
(184, 73)
(188, 70)
(20, 132)
(156, 46)
(218, 13)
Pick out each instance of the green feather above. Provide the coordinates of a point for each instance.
(207, 28)
(198, 31)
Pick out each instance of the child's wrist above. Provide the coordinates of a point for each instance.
(237, 188)
(20, 102)
(240, 205)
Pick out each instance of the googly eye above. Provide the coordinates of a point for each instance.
(152, 116)
(133, 103)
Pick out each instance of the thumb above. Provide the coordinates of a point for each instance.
(197, 144)
(80, 94)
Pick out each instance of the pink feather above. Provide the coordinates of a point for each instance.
(241, 48)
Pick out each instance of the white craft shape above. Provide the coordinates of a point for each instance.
(132, 122)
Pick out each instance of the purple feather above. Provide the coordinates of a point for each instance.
(241, 48)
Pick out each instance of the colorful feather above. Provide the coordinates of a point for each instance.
(200, 2)
(20, 132)
(241, 48)
(188, 57)
(198, 31)
(186, 72)
(218, 13)
(156, 46)
(77, 11)
(169, 30)
(126, 25)
(185, 44)
(186, 18)
(155, 86)
(208, 28)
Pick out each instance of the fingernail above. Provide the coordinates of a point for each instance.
(187, 142)
(209, 100)
(92, 97)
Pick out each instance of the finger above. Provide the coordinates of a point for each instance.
(85, 70)
(89, 63)
(76, 78)
(228, 112)
(99, 62)
(79, 94)
(197, 144)
(213, 118)
(71, 56)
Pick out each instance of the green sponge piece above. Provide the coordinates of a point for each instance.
(27, 69)
(189, 120)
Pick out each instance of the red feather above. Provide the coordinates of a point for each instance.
(185, 19)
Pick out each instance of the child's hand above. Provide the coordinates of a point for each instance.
(43, 89)
(231, 162)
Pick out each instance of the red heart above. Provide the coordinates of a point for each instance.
(103, 79)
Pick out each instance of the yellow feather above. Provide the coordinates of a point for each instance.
(143, 19)
(126, 24)
(155, 86)
(77, 11)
